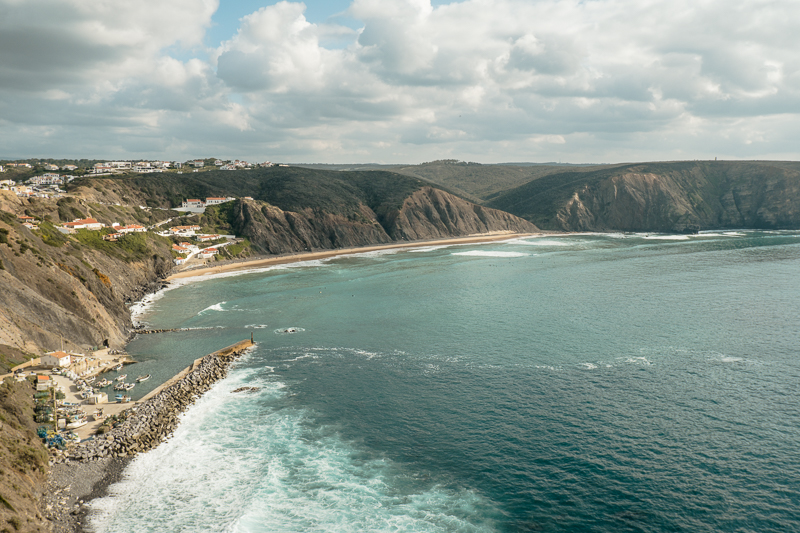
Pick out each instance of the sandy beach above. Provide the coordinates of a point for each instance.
(326, 254)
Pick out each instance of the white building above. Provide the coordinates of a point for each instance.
(56, 359)
(130, 228)
(184, 230)
(47, 179)
(84, 223)
(192, 203)
(43, 383)
(218, 200)
(198, 163)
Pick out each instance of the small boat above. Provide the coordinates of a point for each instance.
(118, 367)
(77, 422)
(123, 398)
(129, 386)
(143, 378)
(122, 377)
(104, 383)
(120, 386)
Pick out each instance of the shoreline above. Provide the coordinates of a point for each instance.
(86, 471)
(71, 485)
(328, 254)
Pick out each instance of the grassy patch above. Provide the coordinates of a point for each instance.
(50, 235)
(7, 504)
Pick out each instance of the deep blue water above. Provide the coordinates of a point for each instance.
(565, 383)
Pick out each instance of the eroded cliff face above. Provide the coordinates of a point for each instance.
(427, 214)
(65, 290)
(275, 231)
(434, 214)
(632, 201)
(663, 197)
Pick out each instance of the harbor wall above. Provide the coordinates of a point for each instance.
(156, 415)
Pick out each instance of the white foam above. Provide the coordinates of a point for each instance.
(241, 463)
(588, 366)
(373, 253)
(288, 331)
(731, 359)
(140, 308)
(256, 326)
(638, 361)
(215, 307)
(542, 241)
(667, 237)
(487, 253)
(428, 248)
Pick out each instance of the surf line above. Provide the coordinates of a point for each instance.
(156, 414)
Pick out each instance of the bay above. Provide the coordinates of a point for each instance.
(600, 382)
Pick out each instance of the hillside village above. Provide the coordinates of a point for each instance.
(195, 244)
(48, 184)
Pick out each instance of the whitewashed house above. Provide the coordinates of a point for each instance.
(193, 203)
(56, 359)
(218, 200)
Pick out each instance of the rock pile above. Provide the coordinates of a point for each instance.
(246, 389)
(156, 419)
(149, 331)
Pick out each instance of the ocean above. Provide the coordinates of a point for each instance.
(589, 382)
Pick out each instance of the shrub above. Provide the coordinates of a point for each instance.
(50, 235)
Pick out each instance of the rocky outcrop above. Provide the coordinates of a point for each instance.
(663, 197)
(279, 232)
(434, 214)
(57, 290)
(426, 214)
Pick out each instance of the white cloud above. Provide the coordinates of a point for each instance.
(501, 80)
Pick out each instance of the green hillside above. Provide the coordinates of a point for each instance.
(289, 188)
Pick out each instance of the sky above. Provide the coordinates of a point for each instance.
(400, 81)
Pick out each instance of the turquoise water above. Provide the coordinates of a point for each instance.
(564, 383)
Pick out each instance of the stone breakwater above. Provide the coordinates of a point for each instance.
(156, 417)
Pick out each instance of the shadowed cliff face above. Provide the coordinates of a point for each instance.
(663, 197)
(426, 214)
(275, 231)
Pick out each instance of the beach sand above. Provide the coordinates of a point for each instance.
(326, 254)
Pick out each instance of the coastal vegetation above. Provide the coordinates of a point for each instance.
(23, 460)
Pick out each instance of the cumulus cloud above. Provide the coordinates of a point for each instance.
(491, 80)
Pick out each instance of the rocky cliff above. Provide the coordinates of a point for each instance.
(434, 214)
(74, 289)
(275, 231)
(663, 197)
(426, 214)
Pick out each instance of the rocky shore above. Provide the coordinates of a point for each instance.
(85, 471)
